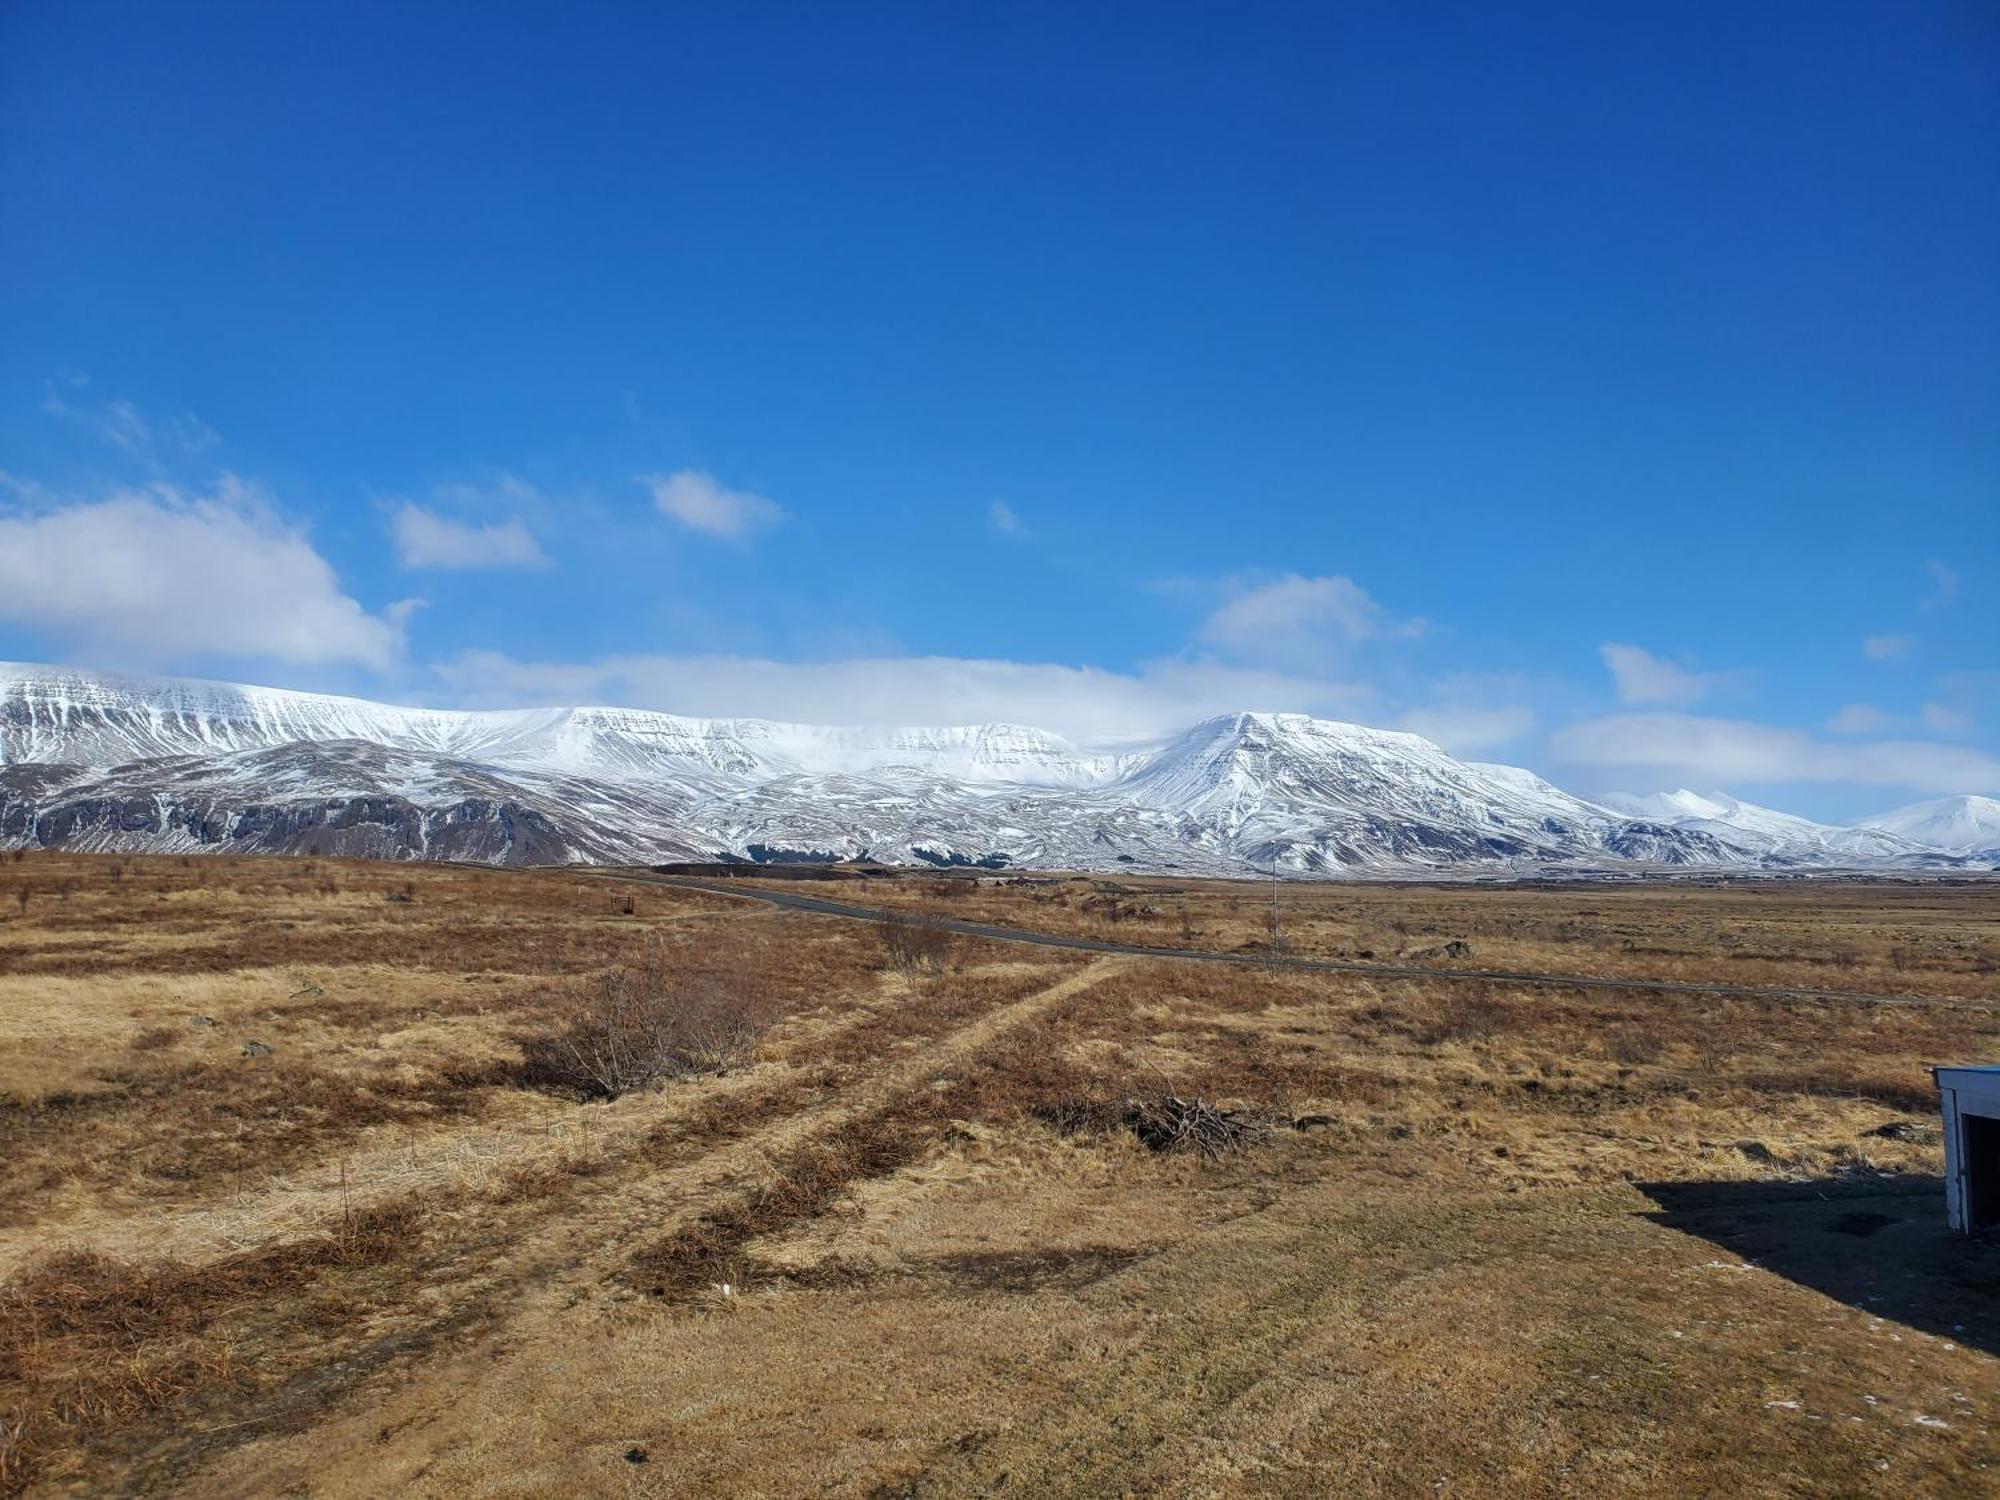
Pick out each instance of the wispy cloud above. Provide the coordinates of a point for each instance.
(1943, 718)
(1888, 647)
(425, 539)
(1944, 585)
(1471, 713)
(1859, 718)
(1966, 699)
(1663, 748)
(1642, 677)
(158, 576)
(1002, 518)
(1087, 704)
(1467, 729)
(1302, 624)
(696, 501)
(121, 424)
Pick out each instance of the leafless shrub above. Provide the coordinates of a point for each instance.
(915, 943)
(404, 893)
(22, 896)
(1458, 1017)
(631, 1027)
(1634, 1045)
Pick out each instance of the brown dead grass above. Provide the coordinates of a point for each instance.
(1880, 937)
(90, 1343)
(371, 1262)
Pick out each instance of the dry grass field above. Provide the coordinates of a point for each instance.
(288, 1206)
(1891, 937)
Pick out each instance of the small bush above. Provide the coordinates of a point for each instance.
(1461, 1018)
(632, 1027)
(1634, 1045)
(915, 943)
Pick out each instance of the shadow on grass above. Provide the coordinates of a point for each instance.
(1879, 1245)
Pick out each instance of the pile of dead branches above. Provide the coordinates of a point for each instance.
(1169, 1123)
(1165, 1123)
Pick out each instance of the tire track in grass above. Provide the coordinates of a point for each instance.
(586, 1240)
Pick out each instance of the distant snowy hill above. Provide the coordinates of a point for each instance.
(1776, 838)
(104, 762)
(1966, 825)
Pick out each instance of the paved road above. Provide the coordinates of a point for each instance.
(820, 906)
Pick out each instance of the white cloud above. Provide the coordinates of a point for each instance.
(1299, 623)
(1087, 704)
(425, 539)
(1642, 677)
(1942, 718)
(154, 576)
(1467, 730)
(1471, 713)
(398, 614)
(1003, 519)
(1944, 585)
(697, 502)
(1887, 647)
(1681, 749)
(1859, 718)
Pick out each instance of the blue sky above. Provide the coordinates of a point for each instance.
(1609, 389)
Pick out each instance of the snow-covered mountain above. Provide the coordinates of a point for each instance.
(1776, 838)
(1965, 825)
(95, 761)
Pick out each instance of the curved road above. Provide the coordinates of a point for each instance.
(820, 906)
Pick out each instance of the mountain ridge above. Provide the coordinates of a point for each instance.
(111, 761)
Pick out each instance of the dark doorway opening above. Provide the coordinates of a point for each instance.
(1982, 1171)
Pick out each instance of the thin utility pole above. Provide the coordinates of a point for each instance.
(1275, 888)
